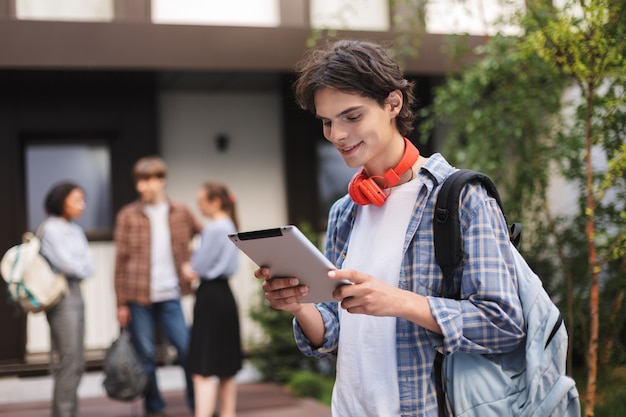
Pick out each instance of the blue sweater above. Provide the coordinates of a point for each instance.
(65, 246)
(217, 255)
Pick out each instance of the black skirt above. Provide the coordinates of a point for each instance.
(215, 346)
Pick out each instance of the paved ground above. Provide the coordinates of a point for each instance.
(254, 400)
(30, 397)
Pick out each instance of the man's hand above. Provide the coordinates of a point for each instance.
(368, 294)
(123, 315)
(282, 293)
(188, 273)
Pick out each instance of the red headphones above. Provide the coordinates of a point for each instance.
(363, 189)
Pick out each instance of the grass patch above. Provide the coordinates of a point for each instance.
(610, 395)
(610, 391)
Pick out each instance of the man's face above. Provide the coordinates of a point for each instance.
(359, 127)
(151, 190)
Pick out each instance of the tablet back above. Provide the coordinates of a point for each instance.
(287, 252)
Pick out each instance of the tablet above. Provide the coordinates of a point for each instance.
(287, 252)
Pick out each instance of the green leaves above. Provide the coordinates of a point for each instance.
(499, 114)
(583, 39)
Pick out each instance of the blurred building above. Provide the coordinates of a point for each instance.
(88, 87)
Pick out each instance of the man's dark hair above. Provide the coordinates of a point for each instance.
(354, 67)
(54, 202)
(149, 167)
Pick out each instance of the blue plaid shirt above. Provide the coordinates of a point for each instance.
(486, 320)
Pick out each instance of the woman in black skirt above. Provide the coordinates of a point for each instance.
(215, 346)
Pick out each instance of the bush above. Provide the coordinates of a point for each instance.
(312, 385)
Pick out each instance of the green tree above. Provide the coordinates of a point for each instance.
(586, 42)
(508, 106)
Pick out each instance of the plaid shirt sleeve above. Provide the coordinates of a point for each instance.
(121, 257)
(488, 319)
(132, 255)
(331, 333)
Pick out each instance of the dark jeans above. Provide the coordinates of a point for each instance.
(169, 315)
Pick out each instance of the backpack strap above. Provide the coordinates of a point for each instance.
(446, 224)
(442, 407)
(40, 229)
(449, 246)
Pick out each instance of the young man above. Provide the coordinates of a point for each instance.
(152, 237)
(385, 329)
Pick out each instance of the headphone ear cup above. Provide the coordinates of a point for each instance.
(354, 189)
(373, 192)
(364, 190)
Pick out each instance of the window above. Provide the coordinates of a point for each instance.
(86, 163)
(474, 17)
(350, 14)
(262, 13)
(68, 10)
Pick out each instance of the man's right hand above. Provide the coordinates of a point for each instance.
(285, 294)
(123, 315)
(282, 293)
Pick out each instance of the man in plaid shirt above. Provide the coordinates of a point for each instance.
(385, 328)
(152, 238)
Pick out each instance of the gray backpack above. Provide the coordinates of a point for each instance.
(124, 376)
(531, 380)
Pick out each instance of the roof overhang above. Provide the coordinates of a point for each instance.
(148, 46)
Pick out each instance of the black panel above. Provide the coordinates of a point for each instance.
(301, 133)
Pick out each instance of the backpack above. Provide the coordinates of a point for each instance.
(529, 381)
(31, 283)
(124, 376)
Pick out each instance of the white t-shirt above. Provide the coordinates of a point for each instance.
(163, 277)
(367, 381)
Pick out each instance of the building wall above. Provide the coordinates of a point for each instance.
(252, 165)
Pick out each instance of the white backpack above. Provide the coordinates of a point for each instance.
(31, 283)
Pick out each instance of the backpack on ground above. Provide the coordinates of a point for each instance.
(531, 380)
(31, 283)
(124, 376)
